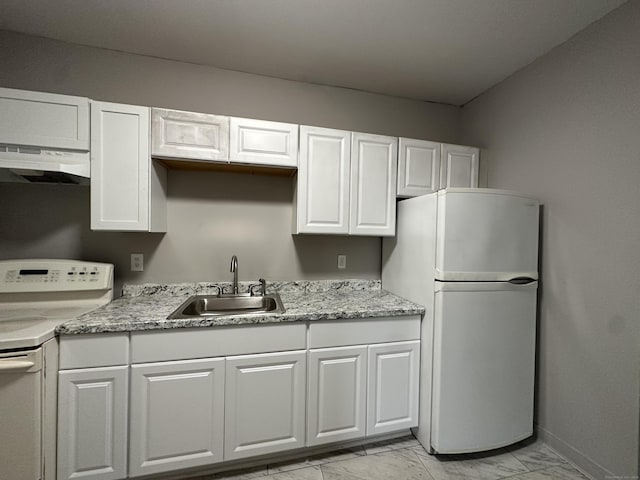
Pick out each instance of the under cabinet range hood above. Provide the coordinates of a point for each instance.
(44, 137)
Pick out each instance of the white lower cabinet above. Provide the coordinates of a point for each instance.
(264, 403)
(336, 394)
(321, 383)
(177, 415)
(92, 423)
(393, 381)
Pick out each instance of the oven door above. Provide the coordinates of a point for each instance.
(21, 420)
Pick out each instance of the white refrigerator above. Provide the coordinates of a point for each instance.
(470, 257)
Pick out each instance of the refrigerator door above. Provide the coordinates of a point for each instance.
(485, 234)
(483, 365)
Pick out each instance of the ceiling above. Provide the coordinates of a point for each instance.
(446, 51)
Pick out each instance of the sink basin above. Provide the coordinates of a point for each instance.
(212, 305)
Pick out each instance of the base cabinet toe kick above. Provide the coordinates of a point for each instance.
(144, 403)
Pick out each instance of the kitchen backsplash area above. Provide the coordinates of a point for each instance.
(211, 216)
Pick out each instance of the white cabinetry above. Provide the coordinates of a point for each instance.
(44, 120)
(425, 167)
(418, 167)
(264, 403)
(44, 131)
(373, 185)
(392, 400)
(367, 388)
(92, 423)
(188, 135)
(322, 196)
(260, 142)
(337, 394)
(128, 191)
(346, 183)
(177, 415)
(459, 167)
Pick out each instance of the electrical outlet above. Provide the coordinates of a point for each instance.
(137, 262)
(342, 262)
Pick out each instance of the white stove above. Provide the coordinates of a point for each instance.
(38, 295)
(35, 297)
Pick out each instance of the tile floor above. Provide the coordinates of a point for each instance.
(405, 459)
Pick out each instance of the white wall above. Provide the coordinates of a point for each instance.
(567, 130)
(211, 215)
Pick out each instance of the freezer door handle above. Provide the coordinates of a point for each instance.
(521, 280)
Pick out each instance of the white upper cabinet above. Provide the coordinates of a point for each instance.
(346, 183)
(459, 167)
(128, 191)
(322, 197)
(418, 167)
(425, 167)
(44, 120)
(373, 185)
(259, 142)
(187, 135)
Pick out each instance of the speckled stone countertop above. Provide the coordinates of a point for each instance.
(146, 307)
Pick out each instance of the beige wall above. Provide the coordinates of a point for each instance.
(567, 130)
(211, 215)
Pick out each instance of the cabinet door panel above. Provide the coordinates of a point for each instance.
(373, 185)
(188, 135)
(418, 167)
(44, 120)
(459, 167)
(263, 143)
(92, 423)
(120, 165)
(177, 411)
(393, 380)
(323, 181)
(264, 403)
(337, 394)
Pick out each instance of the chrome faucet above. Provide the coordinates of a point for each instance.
(234, 269)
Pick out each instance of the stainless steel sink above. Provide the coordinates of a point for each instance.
(212, 305)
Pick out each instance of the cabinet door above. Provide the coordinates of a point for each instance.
(189, 135)
(264, 403)
(44, 120)
(124, 184)
(393, 381)
(373, 185)
(459, 166)
(92, 423)
(263, 143)
(322, 197)
(337, 394)
(177, 415)
(418, 167)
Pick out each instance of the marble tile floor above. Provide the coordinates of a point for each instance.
(405, 459)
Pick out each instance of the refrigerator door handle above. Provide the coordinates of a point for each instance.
(521, 280)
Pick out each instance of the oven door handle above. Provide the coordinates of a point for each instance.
(7, 365)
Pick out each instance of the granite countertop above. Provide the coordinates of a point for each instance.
(146, 307)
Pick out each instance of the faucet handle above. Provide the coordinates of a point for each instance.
(263, 287)
(219, 288)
